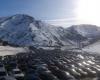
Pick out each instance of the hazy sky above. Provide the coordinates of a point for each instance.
(57, 12)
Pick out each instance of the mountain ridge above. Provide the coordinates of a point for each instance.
(24, 30)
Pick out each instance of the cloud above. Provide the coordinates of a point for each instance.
(62, 22)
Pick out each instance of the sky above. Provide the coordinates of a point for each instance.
(57, 12)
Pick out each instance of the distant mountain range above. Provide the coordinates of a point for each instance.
(24, 30)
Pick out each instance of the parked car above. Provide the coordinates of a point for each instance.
(17, 74)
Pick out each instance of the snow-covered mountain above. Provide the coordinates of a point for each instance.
(24, 30)
(91, 32)
(86, 30)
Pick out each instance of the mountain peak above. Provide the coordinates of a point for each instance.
(86, 29)
(23, 15)
(24, 30)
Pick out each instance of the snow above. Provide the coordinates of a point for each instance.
(16, 69)
(24, 30)
(7, 50)
(93, 47)
(87, 30)
(19, 75)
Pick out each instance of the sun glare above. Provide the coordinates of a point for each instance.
(88, 12)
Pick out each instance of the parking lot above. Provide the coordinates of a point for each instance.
(50, 65)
